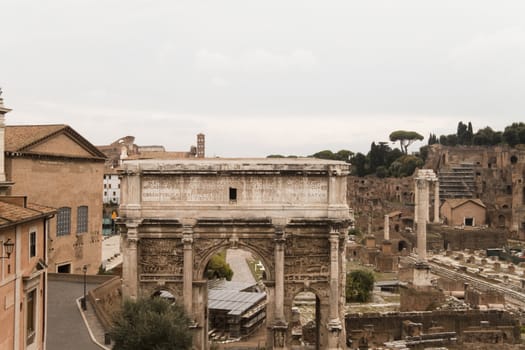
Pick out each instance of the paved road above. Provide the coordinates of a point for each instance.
(66, 329)
(237, 260)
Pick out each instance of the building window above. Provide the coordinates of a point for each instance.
(64, 268)
(233, 194)
(32, 244)
(63, 221)
(30, 316)
(82, 219)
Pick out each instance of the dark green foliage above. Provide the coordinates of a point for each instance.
(359, 286)
(384, 161)
(405, 166)
(392, 156)
(381, 171)
(432, 139)
(378, 155)
(464, 134)
(218, 268)
(487, 137)
(342, 155)
(154, 324)
(405, 138)
(359, 164)
(514, 134)
(275, 156)
(423, 153)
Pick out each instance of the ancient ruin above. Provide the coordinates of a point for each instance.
(291, 214)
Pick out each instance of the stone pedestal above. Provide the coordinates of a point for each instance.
(421, 275)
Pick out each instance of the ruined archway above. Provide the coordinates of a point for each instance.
(290, 213)
(403, 245)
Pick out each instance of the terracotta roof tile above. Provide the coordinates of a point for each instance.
(11, 213)
(456, 202)
(19, 136)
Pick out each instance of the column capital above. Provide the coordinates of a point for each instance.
(133, 240)
(334, 236)
(280, 235)
(187, 240)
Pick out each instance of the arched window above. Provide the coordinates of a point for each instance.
(63, 221)
(82, 219)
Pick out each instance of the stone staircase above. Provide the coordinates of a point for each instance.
(457, 181)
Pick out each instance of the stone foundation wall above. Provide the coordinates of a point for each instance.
(470, 239)
(420, 299)
(389, 326)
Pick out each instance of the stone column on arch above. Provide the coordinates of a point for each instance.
(334, 323)
(187, 291)
(130, 262)
(280, 325)
(279, 274)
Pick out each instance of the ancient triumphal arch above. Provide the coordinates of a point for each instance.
(290, 213)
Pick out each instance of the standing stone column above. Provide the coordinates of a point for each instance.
(334, 324)
(436, 202)
(387, 228)
(422, 188)
(416, 202)
(187, 241)
(334, 275)
(130, 263)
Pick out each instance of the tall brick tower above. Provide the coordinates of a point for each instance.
(200, 146)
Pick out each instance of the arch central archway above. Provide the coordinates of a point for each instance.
(292, 214)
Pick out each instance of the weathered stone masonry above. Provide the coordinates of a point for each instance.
(290, 213)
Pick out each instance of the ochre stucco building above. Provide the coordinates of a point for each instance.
(23, 265)
(55, 166)
(23, 282)
(464, 212)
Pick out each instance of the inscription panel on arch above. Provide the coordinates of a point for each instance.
(249, 189)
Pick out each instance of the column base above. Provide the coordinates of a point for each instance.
(334, 329)
(279, 329)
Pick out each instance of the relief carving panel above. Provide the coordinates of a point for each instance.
(307, 259)
(160, 256)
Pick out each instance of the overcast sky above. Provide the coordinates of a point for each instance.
(263, 77)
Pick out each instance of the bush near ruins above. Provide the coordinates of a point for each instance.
(359, 286)
(151, 324)
(218, 267)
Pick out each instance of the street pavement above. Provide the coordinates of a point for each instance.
(237, 260)
(66, 329)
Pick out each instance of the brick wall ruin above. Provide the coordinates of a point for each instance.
(470, 325)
